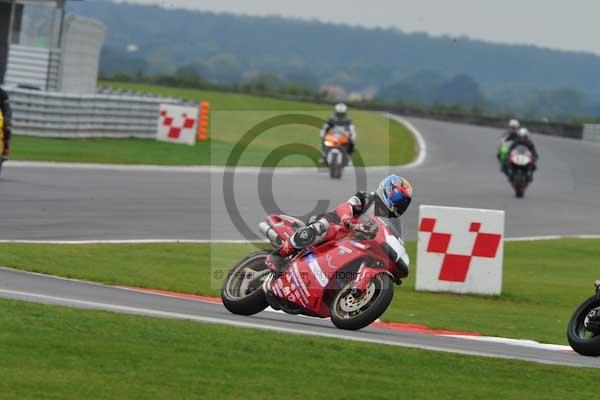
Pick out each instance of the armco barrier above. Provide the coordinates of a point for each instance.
(38, 113)
(113, 113)
(567, 130)
(560, 129)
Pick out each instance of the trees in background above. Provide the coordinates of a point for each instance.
(276, 55)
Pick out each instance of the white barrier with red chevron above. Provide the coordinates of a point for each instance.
(177, 124)
(460, 250)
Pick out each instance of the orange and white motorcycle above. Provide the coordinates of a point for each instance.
(336, 144)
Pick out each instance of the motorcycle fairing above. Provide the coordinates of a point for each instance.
(312, 274)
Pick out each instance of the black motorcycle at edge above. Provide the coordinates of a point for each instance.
(583, 332)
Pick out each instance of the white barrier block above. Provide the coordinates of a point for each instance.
(177, 124)
(460, 250)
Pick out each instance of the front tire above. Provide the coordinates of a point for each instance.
(335, 166)
(242, 291)
(579, 337)
(351, 313)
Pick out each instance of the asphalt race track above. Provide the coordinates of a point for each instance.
(460, 170)
(48, 290)
(97, 203)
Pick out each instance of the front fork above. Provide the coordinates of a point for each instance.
(364, 276)
(597, 286)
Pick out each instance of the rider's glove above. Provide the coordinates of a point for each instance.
(367, 230)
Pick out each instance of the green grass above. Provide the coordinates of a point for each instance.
(60, 353)
(381, 141)
(543, 281)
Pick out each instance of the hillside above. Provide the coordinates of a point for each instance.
(371, 55)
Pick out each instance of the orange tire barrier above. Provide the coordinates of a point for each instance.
(203, 121)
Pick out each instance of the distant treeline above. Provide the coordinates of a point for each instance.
(459, 95)
(262, 84)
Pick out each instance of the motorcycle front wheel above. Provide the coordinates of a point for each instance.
(351, 311)
(518, 182)
(335, 166)
(242, 291)
(581, 340)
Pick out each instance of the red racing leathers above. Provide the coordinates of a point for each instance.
(330, 225)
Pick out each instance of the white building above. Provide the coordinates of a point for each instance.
(41, 48)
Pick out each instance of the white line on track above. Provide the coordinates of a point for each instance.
(422, 145)
(515, 342)
(28, 296)
(550, 237)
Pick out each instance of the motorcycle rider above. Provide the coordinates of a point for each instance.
(509, 136)
(391, 199)
(5, 130)
(339, 118)
(523, 139)
(513, 130)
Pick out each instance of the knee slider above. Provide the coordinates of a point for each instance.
(303, 237)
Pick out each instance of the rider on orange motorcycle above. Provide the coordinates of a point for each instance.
(391, 199)
(340, 118)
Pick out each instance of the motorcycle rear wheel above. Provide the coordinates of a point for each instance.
(242, 291)
(519, 193)
(351, 313)
(580, 339)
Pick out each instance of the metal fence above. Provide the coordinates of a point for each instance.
(106, 114)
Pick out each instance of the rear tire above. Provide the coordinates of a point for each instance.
(365, 315)
(241, 297)
(575, 331)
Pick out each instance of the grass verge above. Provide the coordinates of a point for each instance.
(381, 141)
(54, 352)
(543, 281)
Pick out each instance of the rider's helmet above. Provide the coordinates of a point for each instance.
(393, 196)
(340, 111)
(523, 133)
(514, 125)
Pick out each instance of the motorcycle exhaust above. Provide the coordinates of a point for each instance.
(266, 230)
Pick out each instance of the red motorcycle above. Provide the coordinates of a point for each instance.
(349, 279)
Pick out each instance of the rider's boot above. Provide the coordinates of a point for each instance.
(301, 239)
(276, 261)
